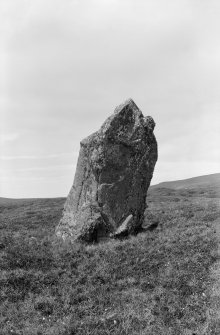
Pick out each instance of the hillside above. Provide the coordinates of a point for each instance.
(158, 282)
(210, 181)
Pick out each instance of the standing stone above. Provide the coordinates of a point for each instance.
(113, 173)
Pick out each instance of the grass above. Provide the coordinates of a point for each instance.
(157, 282)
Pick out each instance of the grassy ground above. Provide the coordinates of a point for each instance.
(157, 282)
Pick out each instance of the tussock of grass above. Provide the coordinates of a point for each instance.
(153, 283)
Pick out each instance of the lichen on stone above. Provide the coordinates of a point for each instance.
(113, 173)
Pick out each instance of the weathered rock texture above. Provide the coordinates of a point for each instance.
(114, 170)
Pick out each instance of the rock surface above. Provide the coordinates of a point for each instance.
(113, 173)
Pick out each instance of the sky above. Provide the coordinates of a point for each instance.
(65, 65)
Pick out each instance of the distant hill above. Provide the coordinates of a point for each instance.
(207, 181)
(201, 182)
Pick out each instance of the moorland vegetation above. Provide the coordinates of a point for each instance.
(157, 282)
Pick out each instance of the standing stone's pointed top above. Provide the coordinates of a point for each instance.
(127, 103)
(124, 121)
(113, 173)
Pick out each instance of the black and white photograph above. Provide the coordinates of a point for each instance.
(109, 167)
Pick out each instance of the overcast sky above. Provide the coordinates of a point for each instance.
(65, 65)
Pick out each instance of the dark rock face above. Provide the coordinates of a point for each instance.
(113, 173)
